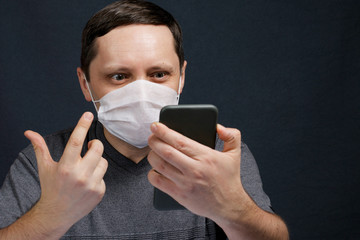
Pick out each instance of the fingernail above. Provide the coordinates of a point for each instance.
(88, 116)
(154, 126)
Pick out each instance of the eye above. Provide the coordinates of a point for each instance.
(160, 75)
(118, 77)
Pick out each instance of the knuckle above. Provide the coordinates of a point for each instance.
(234, 135)
(154, 178)
(168, 153)
(64, 172)
(37, 148)
(75, 142)
(97, 146)
(101, 195)
(180, 144)
(158, 181)
(198, 174)
(152, 157)
(97, 192)
(161, 166)
(103, 165)
(81, 182)
(237, 133)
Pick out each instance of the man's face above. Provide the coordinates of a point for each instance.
(133, 52)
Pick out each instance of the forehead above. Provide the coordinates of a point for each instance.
(133, 43)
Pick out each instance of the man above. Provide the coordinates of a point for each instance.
(93, 181)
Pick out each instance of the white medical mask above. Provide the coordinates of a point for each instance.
(128, 112)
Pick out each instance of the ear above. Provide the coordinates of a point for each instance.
(183, 76)
(83, 86)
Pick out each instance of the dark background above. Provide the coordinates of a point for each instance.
(286, 73)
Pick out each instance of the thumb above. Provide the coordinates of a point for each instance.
(42, 153)
(231, 138)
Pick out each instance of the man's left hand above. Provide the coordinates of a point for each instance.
(204, 180)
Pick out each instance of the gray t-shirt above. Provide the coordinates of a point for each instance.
(126, 210)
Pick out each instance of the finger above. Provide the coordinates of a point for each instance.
(102, 187)
(42, 153)
(92, 156)
(162, 183)
(171, 155)
(231, 138)
(74, 146)
(100, 170)
(164, 168)
(184, 144)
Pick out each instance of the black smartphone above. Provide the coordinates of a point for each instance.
(195, 121)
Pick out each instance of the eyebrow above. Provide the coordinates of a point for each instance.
(162, 66)
(155, 67)
(116, 68)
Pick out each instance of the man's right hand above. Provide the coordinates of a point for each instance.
(72, 187)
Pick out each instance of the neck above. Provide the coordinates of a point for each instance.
(129, 151)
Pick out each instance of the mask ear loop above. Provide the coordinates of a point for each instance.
(92, 98)
(178, 92)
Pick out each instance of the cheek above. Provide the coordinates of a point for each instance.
(100, 89)
(173, 84)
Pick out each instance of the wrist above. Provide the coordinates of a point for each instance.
(238, 212)
(239, 217)
(48, 220)
(247, 221)
(37, 223)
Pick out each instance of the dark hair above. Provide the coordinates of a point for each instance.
(124, 13)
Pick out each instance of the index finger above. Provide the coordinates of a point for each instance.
(74, 145)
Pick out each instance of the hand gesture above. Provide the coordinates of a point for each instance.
(72, 187)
